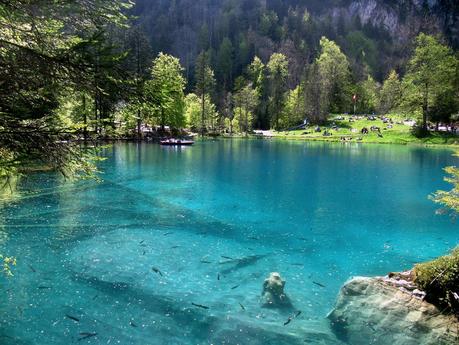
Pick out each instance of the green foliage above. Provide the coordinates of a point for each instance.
(8, 173)
(293, 113)
(278, 72)
(333, 68)
(390, 94)
(225, 61)
(439, 278)
(205, 84)
(126, 117)
(165, 91)
(449, 199)
(49, 49)
(256, 71)
(245, 101)
(316, 96)
(193, 113)
(363, 52)
(269, 25)
(431, 72)
(7, 263)
(367, 96)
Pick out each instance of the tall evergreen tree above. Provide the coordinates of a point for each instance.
(45, 63)
(431, 72)
(257, 72)
(205, 83)
(278, 73)
(225, 62)
(390, 94)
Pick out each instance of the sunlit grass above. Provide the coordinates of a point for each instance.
(398, 134)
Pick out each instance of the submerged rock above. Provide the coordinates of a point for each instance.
(273, 292)
(377, 311)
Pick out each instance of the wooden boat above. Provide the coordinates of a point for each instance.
(176, 142)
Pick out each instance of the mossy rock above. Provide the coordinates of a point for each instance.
(439, 278)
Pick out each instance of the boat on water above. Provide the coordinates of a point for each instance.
(176, 142)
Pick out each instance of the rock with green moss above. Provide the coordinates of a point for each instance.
(439, 279)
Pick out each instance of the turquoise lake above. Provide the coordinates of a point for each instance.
(121, 261)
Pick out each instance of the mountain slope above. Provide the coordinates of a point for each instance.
(374, 34)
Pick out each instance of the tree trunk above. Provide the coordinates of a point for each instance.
(85, 120)
(202, 113)
(425, 107)
(96, 119)
(138, 125)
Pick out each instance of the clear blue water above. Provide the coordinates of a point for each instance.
(315, 212)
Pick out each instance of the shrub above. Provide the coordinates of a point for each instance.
(439, 278)
(420, 132)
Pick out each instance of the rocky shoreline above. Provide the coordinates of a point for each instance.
(390, 310)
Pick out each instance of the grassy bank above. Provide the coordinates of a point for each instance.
(390, 133)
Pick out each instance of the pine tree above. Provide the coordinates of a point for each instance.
(431, 72)
(205, 83)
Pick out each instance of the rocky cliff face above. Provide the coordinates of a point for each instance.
(404, 19)
(401, 23)
(375, 311)
(373, 33)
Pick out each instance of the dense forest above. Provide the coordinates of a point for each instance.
(373, 34)
(73, 71)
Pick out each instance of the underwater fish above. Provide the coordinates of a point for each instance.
(242, 307)
(167, 233)
(72, 318)
(205, 262)
(241, 263)
(200, 305)
(132, 324)
(32, 269)
(227, 257)
(218, 276)
(141, 241)
(85, 335)
(292, 317)
(156, 270)
(235, 287)
(173, 247)
(319, 284)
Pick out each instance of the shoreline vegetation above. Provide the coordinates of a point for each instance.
(82, 77)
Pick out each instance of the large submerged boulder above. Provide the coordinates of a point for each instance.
(385, 310)
(273, 294)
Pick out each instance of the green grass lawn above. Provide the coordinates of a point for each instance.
(398, 134)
